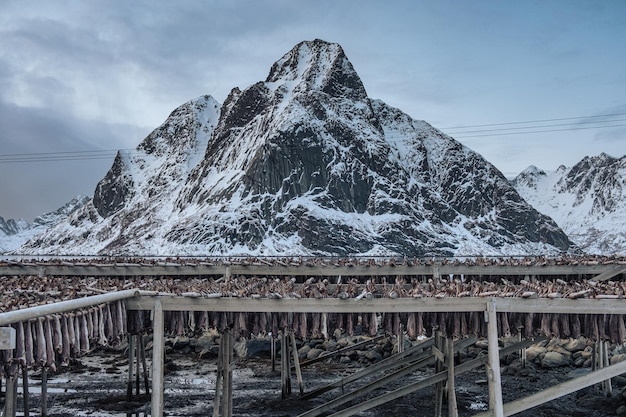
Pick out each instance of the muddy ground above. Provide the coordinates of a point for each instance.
(96, 386)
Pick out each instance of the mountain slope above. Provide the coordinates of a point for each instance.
(14, 234)
(587, 200)
(304, 163)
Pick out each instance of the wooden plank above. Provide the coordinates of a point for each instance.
(413, 353)
(200, 269)
(7, 338)
(420, 361)
(426, 382)
(327, 355)
(379, 305)
(438, 354)
(606, 275)
(559, 390)
(311, 305)
(560, 305)
(296, 361)
(343, 399)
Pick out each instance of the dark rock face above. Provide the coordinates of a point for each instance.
(305, 163)
(113, 190)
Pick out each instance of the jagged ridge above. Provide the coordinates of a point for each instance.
(303, 163)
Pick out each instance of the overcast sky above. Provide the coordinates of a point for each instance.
(80, 76)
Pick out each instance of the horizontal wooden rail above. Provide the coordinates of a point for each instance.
(378, 305)
(25, 314)
(328, 270)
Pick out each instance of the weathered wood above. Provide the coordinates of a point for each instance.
(379, 305)
(131, 356)
(142, 349)
(493, 368)
(10, 397)
(437, 351)
(606, 275)
(337, 352)
(158, 358)
(217, 401)
(7, 338)
(453, 410)
(559, 390)
(394, 361)
(178, 269)
(227, 379)
(137, 365)
(426, 382)
(296, 362)
(25, 391)
(26, 314)
(44, 392)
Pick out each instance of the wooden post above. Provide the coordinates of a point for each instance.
(26, 394)
(157, 359)
(273, 352)
(218, 380)
(453, 410)
(10, 397)
(227, 357)
(285, 365)
(137, 365)
(44, 392)
(438, 368)
(493, 367)
(296, 362)
(131, 355)
(608, 387)
(142, 349)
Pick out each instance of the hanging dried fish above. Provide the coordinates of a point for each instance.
(29, 344)
(40, 354)
(50, 362)
(20, 350)
(84, 334)
(66, 346)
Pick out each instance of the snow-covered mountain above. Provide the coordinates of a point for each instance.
(14, 233)
(303, 163)
(587, 200)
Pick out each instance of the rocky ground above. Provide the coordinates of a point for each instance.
(96, 385)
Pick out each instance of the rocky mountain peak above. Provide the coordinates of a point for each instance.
(529, 177)
(318, 66)
(303, 163)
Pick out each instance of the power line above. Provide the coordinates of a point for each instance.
(534, 121)
(461, 136)
(542, 126)
(505, 131)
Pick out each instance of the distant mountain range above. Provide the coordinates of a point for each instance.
(587, 200)
(303, 163)
(15, 233)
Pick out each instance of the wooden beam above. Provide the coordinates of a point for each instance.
(64, 306)
(559, 390)
(394, 361)
(328, 270)
(379, 305)
(426, 382)
(606, 275)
